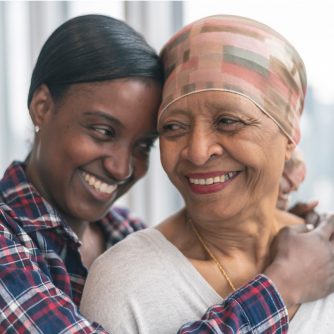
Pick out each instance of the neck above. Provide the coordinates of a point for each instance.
(240, 244)
(79, 227)
(246, 237)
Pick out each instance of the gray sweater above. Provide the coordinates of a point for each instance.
(145, 285)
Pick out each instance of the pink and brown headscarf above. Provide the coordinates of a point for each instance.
(238, 55)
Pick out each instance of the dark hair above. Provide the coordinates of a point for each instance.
(93, 48)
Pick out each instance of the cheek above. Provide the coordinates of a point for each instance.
(168, 156)
(66, 145)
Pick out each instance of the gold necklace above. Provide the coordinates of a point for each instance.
(213, 257)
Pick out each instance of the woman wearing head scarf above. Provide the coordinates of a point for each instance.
(229, 120)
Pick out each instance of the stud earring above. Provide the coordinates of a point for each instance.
(36, 128)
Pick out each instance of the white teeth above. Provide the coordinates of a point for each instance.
(216, 179)
(98, 184)
(209, 181)
(91, 180)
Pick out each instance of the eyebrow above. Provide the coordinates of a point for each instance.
(185, 112)
(105, 116)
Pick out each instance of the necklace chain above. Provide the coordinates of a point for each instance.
(213, 257)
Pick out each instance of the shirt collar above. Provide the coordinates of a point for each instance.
(22, 198)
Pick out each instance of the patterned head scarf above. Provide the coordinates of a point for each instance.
(238, 55)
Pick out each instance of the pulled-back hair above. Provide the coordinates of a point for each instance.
(93, 48)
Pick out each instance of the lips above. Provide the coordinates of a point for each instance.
(210, 182)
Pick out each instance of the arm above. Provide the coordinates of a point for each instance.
(254, 308)
(258, 307)
(29, 301)
(306, 258)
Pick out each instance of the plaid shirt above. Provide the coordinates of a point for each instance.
(42, 276)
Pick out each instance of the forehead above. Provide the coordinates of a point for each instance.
(124, 88)
(127, 102)
(213, 102)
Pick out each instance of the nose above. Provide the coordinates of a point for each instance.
(119, 165)
(202, 145)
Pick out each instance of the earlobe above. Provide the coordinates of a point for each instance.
(41, 105)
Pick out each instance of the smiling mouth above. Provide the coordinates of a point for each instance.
(99, 185)
(213, 180)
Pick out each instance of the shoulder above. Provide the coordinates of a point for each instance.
(126, 272)
(123, 272)
(126, 264)
(138, 245)
(116, 283)
(9, 222)
(17, 249)
(285, 218)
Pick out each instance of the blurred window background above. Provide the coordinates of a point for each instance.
(308, 25)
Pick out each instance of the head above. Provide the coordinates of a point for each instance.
(293, 175)
(229, 118)
(94, 95)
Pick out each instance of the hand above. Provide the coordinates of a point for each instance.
(307, 212)
(302, 265)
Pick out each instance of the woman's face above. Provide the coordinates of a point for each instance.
(222, 153)
(93, 144)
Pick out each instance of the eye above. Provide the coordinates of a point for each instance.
(229, 123)
(105, 131)
(173, 129)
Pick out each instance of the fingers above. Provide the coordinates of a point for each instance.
(309, 227)
(312, 205)
(312, 218)
(307, 206)
(302, 209)
(300, 228)
(326, 226)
